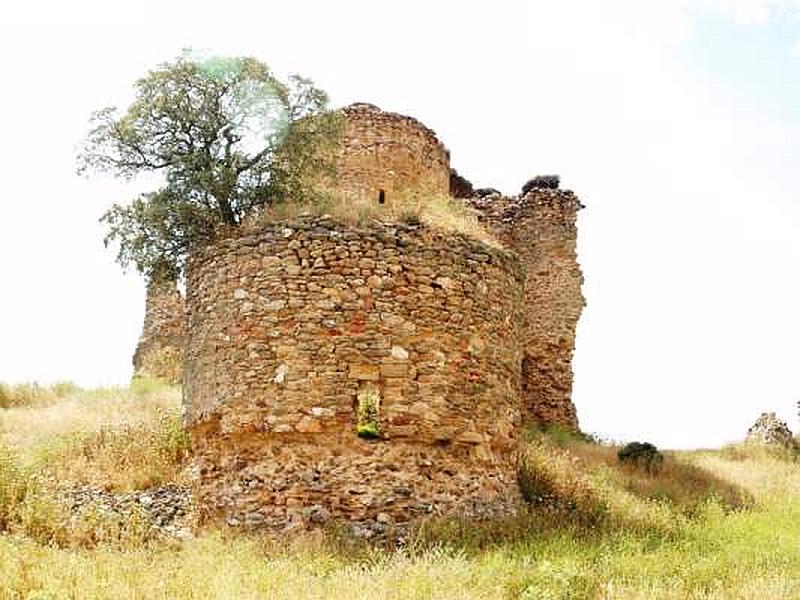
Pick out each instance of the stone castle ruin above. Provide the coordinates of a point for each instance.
(385, 155)
(380, 371)
(159, 352)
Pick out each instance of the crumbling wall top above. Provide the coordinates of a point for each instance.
(371, 112)
(540, 226)
(159, 352)
(505, 210)
(386, 156)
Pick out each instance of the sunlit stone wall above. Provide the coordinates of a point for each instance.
(540, 227)
(288, 325)
(388, 152)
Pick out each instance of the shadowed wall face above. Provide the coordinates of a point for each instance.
(160, 350)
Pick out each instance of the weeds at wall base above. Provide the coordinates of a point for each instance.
(680, 533)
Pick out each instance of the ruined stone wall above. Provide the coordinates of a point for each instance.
(460, 187)
(290, 323)
(389, 152)
(540, 227)
(159, 352)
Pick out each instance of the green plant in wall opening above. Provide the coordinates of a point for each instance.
(369, 403)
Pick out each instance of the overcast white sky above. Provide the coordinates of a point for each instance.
(676, 122)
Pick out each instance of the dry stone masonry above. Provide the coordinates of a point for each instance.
(386, 155)
(289, 326)
(539, 225)
(376, 372)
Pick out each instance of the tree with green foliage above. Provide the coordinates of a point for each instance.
(228, 139)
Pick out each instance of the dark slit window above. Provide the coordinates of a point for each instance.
(381, 197)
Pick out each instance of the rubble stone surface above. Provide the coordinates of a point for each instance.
(540, 226)
(427, 319)
(768, 430)
(167, 508)
(159, 352)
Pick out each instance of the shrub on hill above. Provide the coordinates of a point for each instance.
(642, 454)
(549, 182)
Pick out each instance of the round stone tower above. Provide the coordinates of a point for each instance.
(360, 373)
(385, 155)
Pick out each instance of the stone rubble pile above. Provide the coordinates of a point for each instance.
(167, 508)
(768, 430)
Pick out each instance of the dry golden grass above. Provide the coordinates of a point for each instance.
(552, 476)
(30, 429)
(115, 439)
(597, 490)
(436, 210)
(678, 481)
(118, 439)
(769, 475)
(35, 395)
(606, 531)
(120, 457)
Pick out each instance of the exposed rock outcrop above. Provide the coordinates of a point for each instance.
(768, 430)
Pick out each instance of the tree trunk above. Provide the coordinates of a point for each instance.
(227, 212)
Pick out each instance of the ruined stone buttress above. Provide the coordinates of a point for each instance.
(539, 226)
(160, 351)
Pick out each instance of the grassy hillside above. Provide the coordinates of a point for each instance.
(709, 524)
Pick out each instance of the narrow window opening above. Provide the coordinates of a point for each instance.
(368, 404)
(381, 197)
